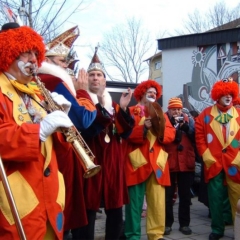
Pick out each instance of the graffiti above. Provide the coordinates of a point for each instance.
(210, 64)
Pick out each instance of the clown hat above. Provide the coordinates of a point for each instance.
(61, 45)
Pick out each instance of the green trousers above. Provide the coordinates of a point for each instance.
(218, 202)
(155, 219)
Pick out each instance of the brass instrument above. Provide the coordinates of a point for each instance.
(11, 202)
(72, 135)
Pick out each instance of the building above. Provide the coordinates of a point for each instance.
(155, 67)
(192, 63)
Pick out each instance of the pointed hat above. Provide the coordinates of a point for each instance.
(95, 64)
(61, 45)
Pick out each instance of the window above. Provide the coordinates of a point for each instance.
(157, 65)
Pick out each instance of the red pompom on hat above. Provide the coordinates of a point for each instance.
(14, 41)
(175, 103)
(224, 87)
(142, 88)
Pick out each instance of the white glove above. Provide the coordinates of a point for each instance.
(52, 122)
(61, 101)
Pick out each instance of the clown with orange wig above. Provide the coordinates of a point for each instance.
(26, 143)
(147, 168)
(217, 139)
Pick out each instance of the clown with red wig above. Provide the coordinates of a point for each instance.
(26, 143)
(147, 168)
(217, 139)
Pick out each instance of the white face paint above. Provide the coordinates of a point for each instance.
(151, 94)
(225, 100)
(26, 68)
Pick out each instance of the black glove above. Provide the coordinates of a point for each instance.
(178, 136)
(185, 127)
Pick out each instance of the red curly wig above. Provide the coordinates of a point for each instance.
(15, 41)
(222, 88)
(142, 88)
(236, 101)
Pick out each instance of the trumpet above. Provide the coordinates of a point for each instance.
(71, 134)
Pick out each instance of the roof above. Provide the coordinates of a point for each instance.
(154, 56)
(233, 24)
(200, 39)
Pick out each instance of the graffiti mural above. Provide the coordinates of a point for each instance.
(210, 64)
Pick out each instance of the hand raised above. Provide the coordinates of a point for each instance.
(125, 99)
(82, 80)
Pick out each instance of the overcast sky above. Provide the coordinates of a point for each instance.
(158, 16)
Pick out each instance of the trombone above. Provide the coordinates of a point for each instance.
(11, 202)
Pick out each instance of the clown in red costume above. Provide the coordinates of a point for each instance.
(146, 166)
(217, 139)
(26, 143)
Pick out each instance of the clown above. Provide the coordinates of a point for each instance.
(146, 166)
(217, 139)
(26, 143)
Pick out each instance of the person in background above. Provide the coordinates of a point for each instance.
(217, 138)
(53, 73)
(104, 137)
(146, 167)
(181, 160)
(26, 144)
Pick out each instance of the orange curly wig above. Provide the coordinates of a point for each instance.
(221, 88)
(15, 41)
(142, 88)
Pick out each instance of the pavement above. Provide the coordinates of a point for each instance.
(200, 225)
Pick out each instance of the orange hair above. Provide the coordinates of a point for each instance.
(223, 88)
(15, 41)
(142, 88)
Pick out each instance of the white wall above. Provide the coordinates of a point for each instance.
(176, 70)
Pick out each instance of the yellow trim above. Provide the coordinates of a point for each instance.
(236, 160)
(208, 158)
(24, 197)
(162, 159)
(137, 159)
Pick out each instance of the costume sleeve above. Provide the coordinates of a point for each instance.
(18, 143)
(82, 111)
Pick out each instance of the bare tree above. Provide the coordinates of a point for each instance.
(46, 16)
(216, 16)
(123, 50)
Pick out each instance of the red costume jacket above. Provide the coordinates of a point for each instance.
(217, 154)
(82, 114)
(147, 155)
(31, 167)
(110, 183)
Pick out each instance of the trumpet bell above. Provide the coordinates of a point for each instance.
(92, 171)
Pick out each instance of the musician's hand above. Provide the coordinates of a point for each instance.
(125, 99)
(82, 80)
(147, 123)
(52, 122)
(100, 93)
(60, 100)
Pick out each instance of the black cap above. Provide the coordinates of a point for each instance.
(10, 25)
